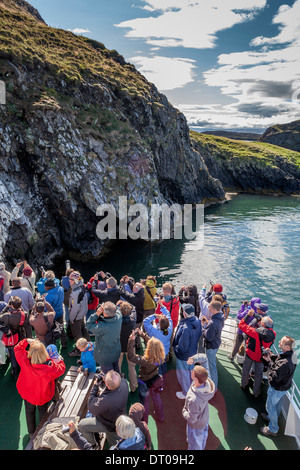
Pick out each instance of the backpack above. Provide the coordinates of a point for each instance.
(81, 294)
(225, 309)
(54, 333)
(10, 339)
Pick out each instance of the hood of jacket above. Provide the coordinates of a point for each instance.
(206, 392)
(136, 412)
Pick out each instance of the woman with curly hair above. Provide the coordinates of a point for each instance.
(149, 380)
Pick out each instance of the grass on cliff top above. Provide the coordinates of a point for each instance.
(222, 147)
(26, 41)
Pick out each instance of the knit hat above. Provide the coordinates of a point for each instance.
(218, 288)
(27, 271)
(49, 283)
(188, 309)
(52, 351)
(263, 307)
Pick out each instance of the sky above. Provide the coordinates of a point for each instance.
(226, 64)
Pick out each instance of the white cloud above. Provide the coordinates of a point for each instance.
(166, 73)
(79, 30)
(192, 23)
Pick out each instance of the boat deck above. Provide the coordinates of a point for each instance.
(228, 429)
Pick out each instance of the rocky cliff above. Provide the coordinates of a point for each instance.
(249, 167)
(81, 127)
(285, 135)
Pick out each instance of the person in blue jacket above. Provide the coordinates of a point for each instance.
(45, 276)
(87, 356)
(162, 331)
(185, 345)
(55, 297)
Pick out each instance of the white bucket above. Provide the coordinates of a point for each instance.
(240, 359)
(250, 416)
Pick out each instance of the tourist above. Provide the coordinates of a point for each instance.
(45, 276)
(15, 327)
(135, 298)
(86, 349)
(171, 301)
(65, 282)
(185, 345)
(128, 326)
(136, 412)
(240, 337)
(150, 290)
(42, 318)
(107, 401)
(78, 307)
(149, 381)
(258, 340)
(36, 382)
(55, 297)
(28, 275)
(6, 277)
(189, 295)
(281, 368)
(212, 330)
(163, 331)
(110, 294)
(131, 437)
(196, 408)
(22, 292)
(106, 325)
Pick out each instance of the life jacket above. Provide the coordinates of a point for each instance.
(225, 309)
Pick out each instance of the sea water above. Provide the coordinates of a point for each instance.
(251, 247)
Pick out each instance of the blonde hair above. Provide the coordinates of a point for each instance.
(125, 308)
(125, 427)
(37, 352)
(81, 343)
(155, 352)
(168, 287)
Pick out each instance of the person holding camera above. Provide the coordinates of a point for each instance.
(28, 276)
(22, 292)
(281, 369)
(15, 326)
(259, 340)
(107, 401)
(78, 307)
(106, 325)
(111, 293)
(37, 318)
(149, 379)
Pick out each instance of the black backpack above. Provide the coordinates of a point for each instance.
(54, 333)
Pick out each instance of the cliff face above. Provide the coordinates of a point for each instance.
(285, 135)
(250, 167)
(80, 128)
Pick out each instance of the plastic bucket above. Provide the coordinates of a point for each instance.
(250, 416)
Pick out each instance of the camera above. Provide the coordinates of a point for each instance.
(136, 332)
(264, 352)
(68, 264)
(65, 429)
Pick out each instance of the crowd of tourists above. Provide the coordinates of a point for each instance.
(107, 319)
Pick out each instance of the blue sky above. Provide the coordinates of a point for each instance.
(226, 64)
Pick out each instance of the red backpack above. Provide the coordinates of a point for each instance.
(8, 338)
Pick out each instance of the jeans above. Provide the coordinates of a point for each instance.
(196, 438)
(273, 407)
(154, 392)
(211, 355)
(183, 374)
(89, 426)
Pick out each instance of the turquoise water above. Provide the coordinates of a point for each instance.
(251, 246)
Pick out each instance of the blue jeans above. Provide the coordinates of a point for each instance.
(183, 373)
(196, 438)
(154, 392)
(212, 364)
(273, 407)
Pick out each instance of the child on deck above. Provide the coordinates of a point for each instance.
(53, 354)
(87, 356)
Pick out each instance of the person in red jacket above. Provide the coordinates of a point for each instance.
(36, 381)
(171, 302)
(259, 339)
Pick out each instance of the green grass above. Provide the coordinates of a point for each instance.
(229, 149)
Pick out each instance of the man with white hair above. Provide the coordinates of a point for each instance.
(259, 340)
